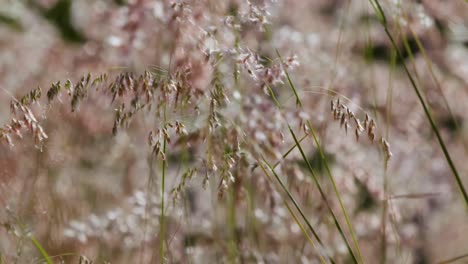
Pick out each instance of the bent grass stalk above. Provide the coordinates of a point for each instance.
(297, 144)
(296, 205)
(381, 15)
(335, 188)
(163, 179)
(436, 81)
(322, 193)
(452, 260)
(322, 260)
(324, 159)
(231, 219)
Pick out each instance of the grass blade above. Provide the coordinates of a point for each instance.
(296, 205)
(335, 189)
(44, 254)
(324, 197)
(322, 155)
(434, 127)
(453, 259)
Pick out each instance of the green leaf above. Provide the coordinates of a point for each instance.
(44, 254)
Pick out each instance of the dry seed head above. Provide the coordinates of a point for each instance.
(151, 140)
(231, 162)
(366, 122)
(163, 155)
(230, 177)
(386, 147)
(306, 129)
(343, 119)
(344, 115)
(371, 132)
(9, 141)
(166, 135)
(340, 113)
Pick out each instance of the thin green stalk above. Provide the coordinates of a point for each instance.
(232, 226)
(296, 205)
(149, 186)
(408, 50)
(338, 47)
(288, 152)
(453, 259)
(335, 189)
(272, 94)
(163, 181)
(436, 82)
(434, 78)
(322, 260)
(383, 242)
(395, 228)
(322, 193)
(298, 101)
(381, 15)
(324, 159)
(389, 101)
(55, 256)
(44, 254)
(250, 217)
(236, 67)
(370, 58)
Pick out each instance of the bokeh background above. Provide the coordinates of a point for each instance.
(88, 194)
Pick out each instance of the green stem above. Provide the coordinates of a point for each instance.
(434, 127)
(232, 225)
(44, 254)
(335, 189)
(322, 155)
(163, 179)
(324, 197)
(296, 205)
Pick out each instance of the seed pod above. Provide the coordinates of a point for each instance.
(151, 139)
(306, 129)
(371, 130)
(357, 132)
(366, 122)
(386, 147)
(371, 124)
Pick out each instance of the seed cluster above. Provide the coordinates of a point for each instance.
(348, 119)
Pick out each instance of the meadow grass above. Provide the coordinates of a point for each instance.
(216, 134)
